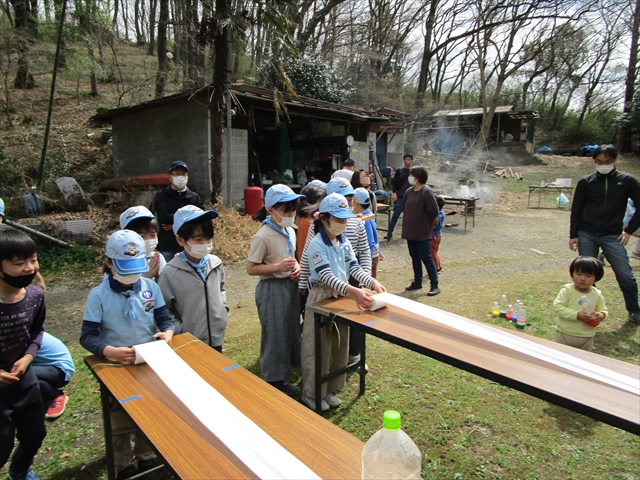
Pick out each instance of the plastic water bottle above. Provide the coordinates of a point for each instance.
(588, 307)
(586, 304)
(495, 310)
(503, 306)
(516, 311)
(509, 314)
(522, 318)
(390, 453)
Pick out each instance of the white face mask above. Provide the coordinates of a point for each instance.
(200, 251)
(604, 169)
(126, 279)
(336, 229)
(412, 180)
(179, 181)
(150, 245)
(285, 222)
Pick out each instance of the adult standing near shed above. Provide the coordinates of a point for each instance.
(597, 213)
(168, 201)
(399, 185)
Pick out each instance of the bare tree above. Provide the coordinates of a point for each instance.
(632, 75)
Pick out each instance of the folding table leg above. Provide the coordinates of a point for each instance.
(108, 439)
(317, 325)
(363, 362)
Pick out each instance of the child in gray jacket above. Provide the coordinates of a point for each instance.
(193, 282)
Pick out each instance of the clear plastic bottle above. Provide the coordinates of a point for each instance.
(522, 318)
(516, 311)
(503, 305)
(495, 309)
(390, 453)
(586, 304)
(509, 314)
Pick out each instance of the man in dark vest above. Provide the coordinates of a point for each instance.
(168, 201)
(399, 185)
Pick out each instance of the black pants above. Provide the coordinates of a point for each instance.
(21, 411)
(51, 379)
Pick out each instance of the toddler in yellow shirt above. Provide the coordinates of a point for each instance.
(579, 305)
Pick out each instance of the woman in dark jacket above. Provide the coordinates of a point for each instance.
(420, 212)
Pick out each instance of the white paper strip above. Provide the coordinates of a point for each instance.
(512, 342)
(252, 445)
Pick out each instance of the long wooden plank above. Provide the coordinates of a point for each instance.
(193, 451)
(517, 370)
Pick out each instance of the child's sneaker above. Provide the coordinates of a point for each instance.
(332, 400)
(56, 407)
(28, 475)
(311, 403)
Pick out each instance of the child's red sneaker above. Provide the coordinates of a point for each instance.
(56, 407)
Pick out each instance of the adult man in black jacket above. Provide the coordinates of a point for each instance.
(399, 185)
(599, 206)
(168, 201)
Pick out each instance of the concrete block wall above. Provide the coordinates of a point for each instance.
(147, 141)
(239, 166)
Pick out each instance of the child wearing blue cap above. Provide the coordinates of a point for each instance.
(332, 263)
(193, 282)
(125, 309)
(272, 257)
(361, 206)
(22, 315)
(144, 223)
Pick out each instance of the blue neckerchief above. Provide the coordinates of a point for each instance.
(284, 233)
(200, 267)
(130, 313)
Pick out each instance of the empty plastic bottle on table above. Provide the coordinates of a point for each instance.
(495, 310)
(522, 318)
(503, 306)
(390, 452)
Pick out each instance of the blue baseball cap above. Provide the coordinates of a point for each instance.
(189, 214)
(361, 196)
(134, 213)
(280, 193)
(339, 185)
(317, 183)
(336, 205)
(176, 164)
(127, 252)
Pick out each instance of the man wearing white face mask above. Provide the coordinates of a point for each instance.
(599, 206)
(168, 201)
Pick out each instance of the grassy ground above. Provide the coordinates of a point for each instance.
(466, 426)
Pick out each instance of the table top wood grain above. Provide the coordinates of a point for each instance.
(193, 451)
(549, 382)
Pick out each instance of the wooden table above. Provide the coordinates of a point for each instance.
(469, 204)
(543, 380)
(554, 189)
(192, 451)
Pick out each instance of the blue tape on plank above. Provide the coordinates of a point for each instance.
(370, 323)
(231, 367)
(125, 400)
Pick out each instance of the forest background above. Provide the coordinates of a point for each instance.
(575, 62)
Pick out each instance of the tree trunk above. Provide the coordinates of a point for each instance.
(630, 82)
(152, 28)
(114, 22)
(161, 77)
(218, 107)
(25, 28)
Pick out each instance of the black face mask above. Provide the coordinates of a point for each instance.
(20, 281)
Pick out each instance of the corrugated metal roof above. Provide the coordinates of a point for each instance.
(470, 111)
(250, 91)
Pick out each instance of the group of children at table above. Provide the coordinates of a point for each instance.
(135, 304)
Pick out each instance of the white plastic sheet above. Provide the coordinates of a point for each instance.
(252, 445)
(513, 342)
